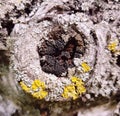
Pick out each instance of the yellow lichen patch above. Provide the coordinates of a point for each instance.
(80, 89)
(37, 89)
(85, 67)
(75, 89)
(24, 87)
(76, 80)
(40, 94)
(37, 84)
(69, 92)
(112, 46)
(78, 84)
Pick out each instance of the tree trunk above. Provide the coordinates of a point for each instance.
(59, 57)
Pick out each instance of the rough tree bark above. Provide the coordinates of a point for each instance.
(59, 57)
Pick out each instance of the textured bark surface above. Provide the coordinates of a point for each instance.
(50, 40)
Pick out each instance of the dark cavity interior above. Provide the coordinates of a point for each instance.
(118, 60)
(56, 55)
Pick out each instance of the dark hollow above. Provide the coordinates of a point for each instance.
(58, 55)
(4, 58)
(8, 24)
(118, 60)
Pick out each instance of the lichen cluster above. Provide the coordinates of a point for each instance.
(75, 89)
(37, 89)
(85, 67)
(113, 46)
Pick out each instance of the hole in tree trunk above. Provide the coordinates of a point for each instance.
(118, 61)
(8, 24)
(56, 55)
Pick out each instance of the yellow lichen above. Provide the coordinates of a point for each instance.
(78, 84)
(112, 46)
(80, 89)
(75, 89)
(37, 84)
(85, 67)
(40, 94)
(69, 91)
(37, 89)
(76, 80)
(24, 87)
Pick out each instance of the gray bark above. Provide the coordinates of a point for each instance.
(30, 33)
